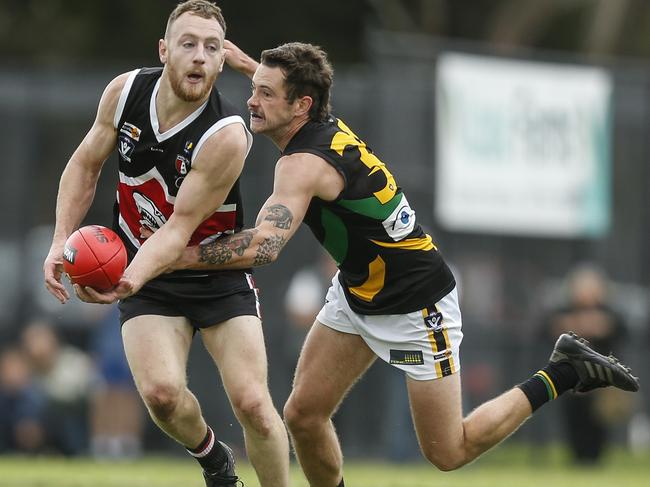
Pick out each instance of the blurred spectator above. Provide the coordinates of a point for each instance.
(400, 444)
(589, 314)
(116, 409)
(21, 405)
(304, 298)
(307, 289)
(65, 375)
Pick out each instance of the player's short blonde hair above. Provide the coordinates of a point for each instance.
(202, 8)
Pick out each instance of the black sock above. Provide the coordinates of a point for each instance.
(210, 454)
(549, 383)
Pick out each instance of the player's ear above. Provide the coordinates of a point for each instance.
(304, 105)
(223, 60)
(162, 51)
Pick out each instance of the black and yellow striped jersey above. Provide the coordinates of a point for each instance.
(388, 264)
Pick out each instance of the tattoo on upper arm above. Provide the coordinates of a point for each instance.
(280, 215)
(221, 250)
(269, 248)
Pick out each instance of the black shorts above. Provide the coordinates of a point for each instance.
(204, 301)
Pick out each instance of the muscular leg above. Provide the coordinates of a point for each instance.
(237, 347)
(448, 440)
(157, 348)
(330, 363)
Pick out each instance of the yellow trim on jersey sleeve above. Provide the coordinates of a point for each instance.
(375, 282)
(341, 140)
(425, 243)
(346, 138)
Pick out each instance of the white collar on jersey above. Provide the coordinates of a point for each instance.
(153, 115)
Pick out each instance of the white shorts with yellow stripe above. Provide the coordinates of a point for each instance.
(424, 344)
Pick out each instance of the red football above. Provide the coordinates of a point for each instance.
(94, 256)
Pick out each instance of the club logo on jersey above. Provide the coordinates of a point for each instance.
(151, 215)
(69, 254)
(434, 321)
(182, 165)
(401, 221)
(406, 357)
(125, 147)
(131, 131)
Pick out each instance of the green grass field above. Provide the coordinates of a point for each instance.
(506, 466)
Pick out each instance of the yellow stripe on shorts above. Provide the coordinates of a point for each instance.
(439, 340)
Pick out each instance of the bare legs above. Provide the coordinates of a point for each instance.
(157, 348)
(237, 347)
(331, 362)
(448, 440)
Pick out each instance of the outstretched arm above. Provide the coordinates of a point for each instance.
(298, 178)
(78, 183)
(239, 60)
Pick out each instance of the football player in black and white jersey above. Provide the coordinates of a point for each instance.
(181, 148)
(394, 298)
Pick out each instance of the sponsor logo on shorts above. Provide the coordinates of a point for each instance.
(445, 354)
(406, 357)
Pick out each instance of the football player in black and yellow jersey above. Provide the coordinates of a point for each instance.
(181, 147)
(393, 297)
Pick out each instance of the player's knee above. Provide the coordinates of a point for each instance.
(298, 417)
(255, 410)
(445, 461)
(162, 399)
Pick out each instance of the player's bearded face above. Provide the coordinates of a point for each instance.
(191, 84)
(193, 54)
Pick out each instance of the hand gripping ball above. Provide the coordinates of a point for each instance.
(94, 256)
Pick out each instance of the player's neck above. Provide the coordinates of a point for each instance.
(170, 109)
(284, 136)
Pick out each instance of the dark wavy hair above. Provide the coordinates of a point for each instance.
(307, 72)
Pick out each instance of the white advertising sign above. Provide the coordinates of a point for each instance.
(523, 148)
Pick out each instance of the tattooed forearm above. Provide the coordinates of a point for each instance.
(280, 215)
(214, 253)
(268, 250)
(221, 250)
